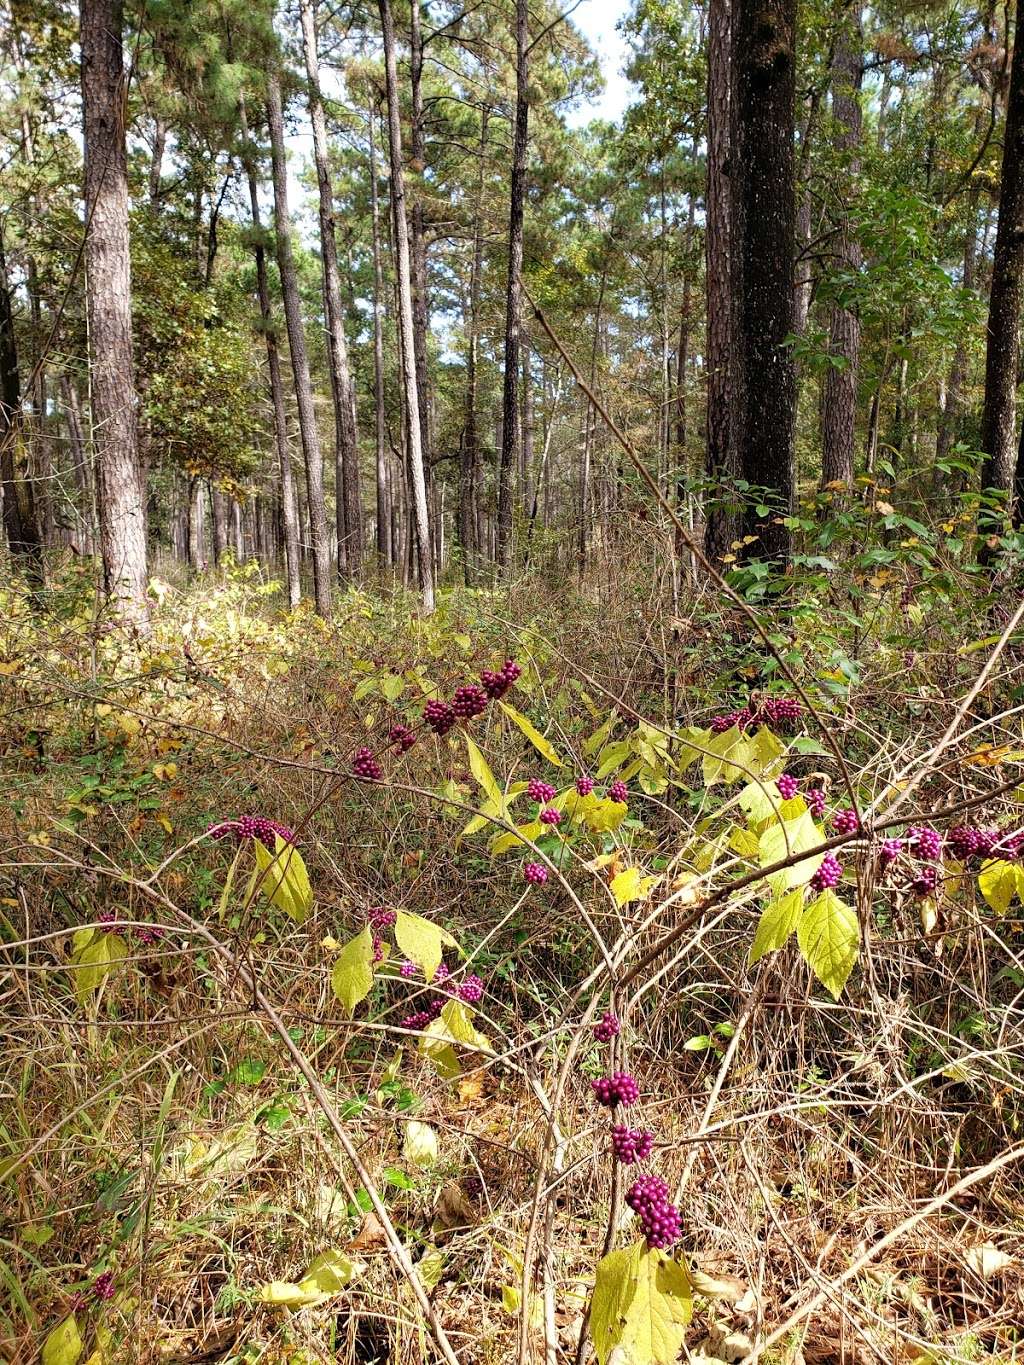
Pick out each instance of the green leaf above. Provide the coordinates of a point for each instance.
(392, 686)
(999, 882)
(782, 840)
(420, 1145)
(455, 1025)
(600, 736)
(506, 840)
(64, 1344)
(612, 757)
(760, 802)
(95, 954)
(352, 973)
(480, 770)
(744, 842)
(829, 938)
(284, 879)
(422, 941)
(720, 748)
(532, 734)
(641, 1307)
(777, 922)
(765, 751)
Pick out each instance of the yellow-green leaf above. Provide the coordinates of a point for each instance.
(352, 974)
(784, 838)
(631, 885)
(605, 815)
(777, 922)
(422, 941)
(612, 757)
(600, 736)
(64, 1344)
(999, 882)
(531, 732)
(744, 842)
(420, 1145)
(479, 768)
(510, 1299)
(716, 765)
(641, 1307)
(95, 954)
(284, 879)
(392, 686)
(765, 751)
(829, 938)
(329, 1274)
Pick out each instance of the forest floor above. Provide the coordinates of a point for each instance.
(178, 1061)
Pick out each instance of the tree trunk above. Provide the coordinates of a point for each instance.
(517, 195)
(289, 514)
(952, 411)
(469, 464)
(385, 546)
(220, 523)
(197, 525)
(804, 277)
(721, 521)
(237, 531)
(526, 444)
(418, 238)
(19, 513)
(156, 164)
(839, 388)
(300, 362)
(998, 418)
(108, 298)
(763, 231)
(348, 504)
(418, 485)
(80, 470)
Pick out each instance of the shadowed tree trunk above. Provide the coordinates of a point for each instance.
(513, 297)
(417, 481)
(19, 507)
(469, 464)
(1002, 356)
(721, 523)
(763, 228)
(348, 504)
(300, 361)
(108, 299)
(839, 387)
(220, 523)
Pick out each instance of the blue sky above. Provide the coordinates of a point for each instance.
(597, 20)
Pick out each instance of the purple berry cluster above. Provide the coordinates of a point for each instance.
(439, 716)
(926, 881)
(408, 969)
(607, 1027)
(815, 798)
(828, 874)
(648, 1197)
(103, 1287)
(618, 1088)
(631, 1144)
(365, 766)
(145, 934)
(584, 785)
(890, 851)
(252, 827)
(378, 949)
(769, 711)
(846, 821)
(966, 841)
(741, 719)
(401, 737)
(541, 792)
(926, 842)
(381, 918)
(469, 701)
(550, 815)
(788, 786)
(472, 990)
(535, 873)
(618, 791)
(497, 684)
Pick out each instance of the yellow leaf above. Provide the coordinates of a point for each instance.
(420, 1145)
(422, 941)
(478, 767)
(535, 737)
(328, 1275)
(352, 974)
(64, 1344)
(285, 881)
(631, 885)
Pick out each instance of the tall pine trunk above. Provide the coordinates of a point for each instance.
(385, 544)
(300, 361)
(998, 418)
(417, 480)
(839, 387)
(120, 493)
(513, 296)
(469, 464)
(417, 231)
(763, 229)
(348, 505)
(20, 524)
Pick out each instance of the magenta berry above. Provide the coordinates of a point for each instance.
(109, 917)
(103, 1286)
(471, 990)
(149, 934)
(648, 1197)
(965, 841)
(788, 786)
(926, 842)
(584, 785)
(828, 874)
(541, 792)
(618, 1088)
(535, 873)
(402, 738)
(408, 969)
(618, 791)
(496, 684)
(631, 1144)
(815, 798)
(550, 815)
(381, 918)
(607, 1027)
(378, 949)
(779, 710)
(926, 881)
(440, 716)
(890, 851)
(741, 719)
(846, 821)
(253, 827)
(364, 765)
(469, 701)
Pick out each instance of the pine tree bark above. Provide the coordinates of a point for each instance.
(119, 481)
(469, 464)
(20, 525)
(348, 505)
(839, 387)
(721, 521)
(417, 480)
(309, 435)
(289, 511)
(763, 228)
(417, 230)
(385, 545)
(1002, 356)
(220, 523)
(513, 295)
